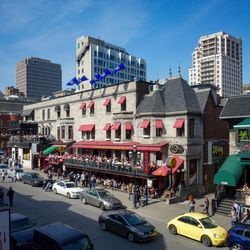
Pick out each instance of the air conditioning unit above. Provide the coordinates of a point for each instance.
(117, 139)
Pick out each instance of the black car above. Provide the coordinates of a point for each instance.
(128, 224)
(33, 179)
(22, 229)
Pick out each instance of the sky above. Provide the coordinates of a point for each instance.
(162, 32)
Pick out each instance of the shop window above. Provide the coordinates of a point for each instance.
(63, 132)
(26, 154)
(191, 128)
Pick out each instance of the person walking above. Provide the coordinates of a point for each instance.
(233, 215)
(145, 196)
(3, 175)
(206, 206)
(10, 194)
(191, 205)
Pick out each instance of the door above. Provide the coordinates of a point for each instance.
(118, 224)
(193, 228)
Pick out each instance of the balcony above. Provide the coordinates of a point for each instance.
(106, 167)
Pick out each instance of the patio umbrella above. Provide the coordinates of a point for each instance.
(161, 171)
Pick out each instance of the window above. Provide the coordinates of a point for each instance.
(108, 108)
(191, 128)
(26, 154)
(128, 134)
(84, 111)
(108, 134)
(146, 131)
(58, 115)
(70, 132)
(67, 113)
(63, 132)
(118, 133)
(43, 114)
(92, 110)
(88, 135)
(123, 106)
(158, 132)
(48, 114)
(58, 133)
(180, 131)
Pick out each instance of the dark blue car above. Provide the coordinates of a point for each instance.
(238, 237)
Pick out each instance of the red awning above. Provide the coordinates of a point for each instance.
(129, 126)
(179, 163)
(159, 123)
(83, 105)
(145, 124)
(122, 99)
(179, 123)
(107, 127)
(86, 127)
(161, 171)
(91, 104)
(106, 102)
(116, 126)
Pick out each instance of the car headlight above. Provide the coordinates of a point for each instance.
(216, 236)
(107, 204)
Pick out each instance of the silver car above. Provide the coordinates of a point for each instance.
(101, 198)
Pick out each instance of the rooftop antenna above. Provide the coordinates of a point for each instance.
(170, 72)
(179, 70)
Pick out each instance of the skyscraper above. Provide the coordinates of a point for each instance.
(218, 60)
(36, 77)
(93, 56)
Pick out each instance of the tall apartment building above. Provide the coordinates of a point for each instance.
(93, 56)
(218, 60)
(36, 77)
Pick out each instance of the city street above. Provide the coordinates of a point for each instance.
(46, 207)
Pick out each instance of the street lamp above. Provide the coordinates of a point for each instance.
(134, 156)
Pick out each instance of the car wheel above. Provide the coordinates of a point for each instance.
(236, 247)
(55, 191)
(131, 237)
(206, 241)
(102, 206)
(83, 200)
(68, 195)
(103, 226)
(172, 229)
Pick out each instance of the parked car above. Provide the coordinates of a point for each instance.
(58, 236)
(3, 168)
(32, 178)
(238, 237)
(199, 227)
(19, 173)
(128, 224)
(67, 188)
(22, 229)
(101, 198)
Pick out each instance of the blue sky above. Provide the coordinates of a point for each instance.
(164, 33)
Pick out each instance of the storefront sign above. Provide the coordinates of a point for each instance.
(176, 149)
(5, 229)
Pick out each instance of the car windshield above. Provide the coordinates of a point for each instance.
(104, 194)
(70, 185)
(208, 223)
(21, 225)
(81, 244)
(134, 219)
(19, 171)
(35, 176)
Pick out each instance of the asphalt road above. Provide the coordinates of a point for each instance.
(46, 207)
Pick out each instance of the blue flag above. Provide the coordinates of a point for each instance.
(71, 82)
(83, 78)
(75, 81)
(107, 72)
(98, 77)
(121, 66)
(92, 81)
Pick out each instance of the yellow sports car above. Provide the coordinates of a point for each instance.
(199, 227)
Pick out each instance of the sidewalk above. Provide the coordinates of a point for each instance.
(161, 211)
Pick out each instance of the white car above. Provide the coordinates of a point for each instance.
(67, 188)
(19, 173)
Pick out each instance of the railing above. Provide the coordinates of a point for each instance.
(106, 167)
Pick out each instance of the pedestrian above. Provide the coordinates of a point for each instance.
(93, 181)
(233, 215)
(3, 175)
(237, 209)
(206, 206)
(10, 194)
(145, 196)
(138, 197)
(14, 175)
(130, 187)
(1, 195)
(191, 205)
